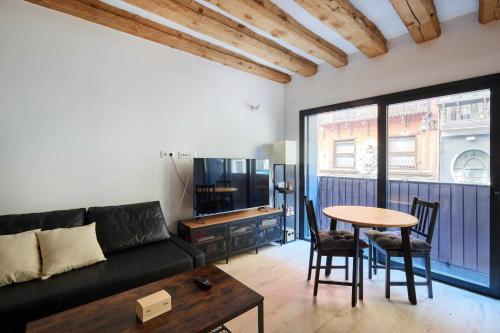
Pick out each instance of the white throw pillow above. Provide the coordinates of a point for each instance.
(19, 258)
(65, 249)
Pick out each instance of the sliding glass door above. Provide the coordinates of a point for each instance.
(439, 150)
(432, 143)
(342, 159)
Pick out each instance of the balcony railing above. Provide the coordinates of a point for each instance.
(462, 233)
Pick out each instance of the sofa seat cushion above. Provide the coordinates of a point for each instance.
(16, 223)
(390, 240)
(127, 226)
(39, 298)
(138, 266)
(332, 240)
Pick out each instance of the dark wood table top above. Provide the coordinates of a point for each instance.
(193, 310)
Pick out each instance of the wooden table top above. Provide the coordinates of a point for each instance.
(224, 189)
(363, 216)
(193, 310)
(228, 217)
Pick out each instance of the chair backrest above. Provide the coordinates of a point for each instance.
(223, 183)
(426, 213)
(205, 198)
(311, 219)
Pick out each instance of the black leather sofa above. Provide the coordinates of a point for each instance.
(135, 241)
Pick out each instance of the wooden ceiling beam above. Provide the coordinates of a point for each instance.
(271, 19)
(350, 23)
(419, 17)
(111, 17)
(489, 10)
(197, 17)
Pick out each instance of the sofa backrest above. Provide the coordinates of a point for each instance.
(127, 226)
(16, 223)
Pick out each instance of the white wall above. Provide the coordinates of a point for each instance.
(465, 49)
(85, 111)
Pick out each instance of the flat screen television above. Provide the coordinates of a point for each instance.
(228, 184)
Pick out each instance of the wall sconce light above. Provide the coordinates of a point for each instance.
(256, 107)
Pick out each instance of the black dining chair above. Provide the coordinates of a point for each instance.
(390, 245)
(332, 243)
(312, 249)
(206, 201)
(224, 183)
(226, 197)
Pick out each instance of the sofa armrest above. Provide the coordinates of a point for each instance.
(197, 255)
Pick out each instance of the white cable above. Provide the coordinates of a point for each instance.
(178, 174)
(185, 186)
(184, 183)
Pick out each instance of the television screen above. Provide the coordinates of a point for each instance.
(226, 184)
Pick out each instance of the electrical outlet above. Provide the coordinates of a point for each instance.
(183, 155)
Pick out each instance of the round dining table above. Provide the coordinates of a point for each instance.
(372, 217)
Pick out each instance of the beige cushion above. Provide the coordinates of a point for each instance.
(65, 249)
(19, 258)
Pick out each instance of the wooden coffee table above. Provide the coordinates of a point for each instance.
(193, 310)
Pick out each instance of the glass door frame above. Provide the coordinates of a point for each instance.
(491, 82)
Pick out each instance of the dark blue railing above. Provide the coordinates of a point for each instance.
(462, 232)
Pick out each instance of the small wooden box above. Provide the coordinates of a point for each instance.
(153, 305)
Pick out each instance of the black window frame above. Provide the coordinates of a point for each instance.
(491, 82)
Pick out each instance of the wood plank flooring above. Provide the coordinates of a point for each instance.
(280, 275)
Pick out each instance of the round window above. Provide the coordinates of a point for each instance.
(472, 167)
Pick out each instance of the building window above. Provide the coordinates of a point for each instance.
(238, 166)
(344, 154)
(466, 110)
(472, 167)
(402, 153)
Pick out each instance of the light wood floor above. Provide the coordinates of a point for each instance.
(280, 275)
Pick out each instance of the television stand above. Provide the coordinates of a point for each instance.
(220, 236)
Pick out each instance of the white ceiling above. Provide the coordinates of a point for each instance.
(380, 12)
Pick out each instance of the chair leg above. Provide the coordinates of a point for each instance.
(346, 268)
(316, 274)
(361, 275)
(375, 262)
(428, 274)
(387, 275)
(311, 256)
(328, 270)
(370, 259)
(355, 263)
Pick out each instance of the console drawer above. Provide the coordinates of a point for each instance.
(213, 250)
(212, 241)
(208, 234)
(270, 229)
(243, 235)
